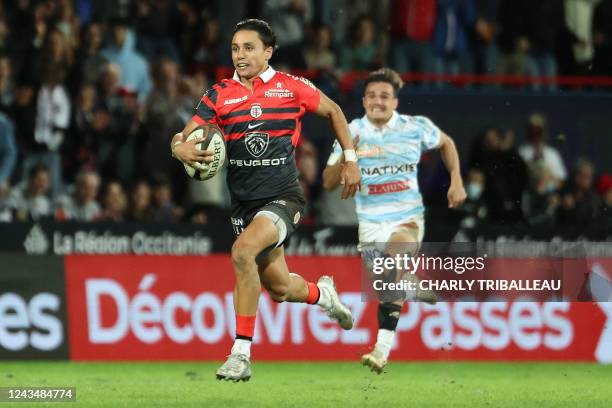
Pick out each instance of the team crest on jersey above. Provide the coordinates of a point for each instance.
(256, 110)
(256, 143)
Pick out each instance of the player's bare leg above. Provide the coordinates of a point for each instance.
(284, 286)
(258, 235)
(404, 241)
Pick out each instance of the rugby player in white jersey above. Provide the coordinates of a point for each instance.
(389, 206)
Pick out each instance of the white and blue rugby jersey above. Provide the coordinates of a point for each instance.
(388, 158)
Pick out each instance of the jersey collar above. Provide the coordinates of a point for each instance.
(389, 125)
(265, 76)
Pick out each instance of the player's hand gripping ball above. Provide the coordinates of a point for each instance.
(214, 142)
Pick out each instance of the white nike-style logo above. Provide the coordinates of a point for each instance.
(250, 126)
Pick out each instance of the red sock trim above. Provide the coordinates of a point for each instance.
(245, 326)
(313, 293)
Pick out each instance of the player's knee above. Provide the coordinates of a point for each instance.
(243, 253)
(278, 292)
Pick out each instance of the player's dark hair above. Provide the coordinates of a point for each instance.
(385, 75)
(264, 30)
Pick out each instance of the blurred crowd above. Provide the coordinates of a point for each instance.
(531, 185)
(92, 90)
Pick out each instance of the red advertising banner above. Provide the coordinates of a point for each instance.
(180, 308)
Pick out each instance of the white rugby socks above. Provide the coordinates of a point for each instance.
(384, 341)
(242, 347)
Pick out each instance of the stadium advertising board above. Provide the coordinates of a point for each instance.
(32, 308)
(180, 308)
(69, 238)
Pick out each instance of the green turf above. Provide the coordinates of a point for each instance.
(321, 384)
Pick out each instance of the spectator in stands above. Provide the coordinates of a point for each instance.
(7, 88)
(539, 206)
(288, 19)
(161, 118)
(513, 44)
(604, 187)
(505, 174)
(364, 52)
(6, 46)
(602, 38)
(155, 24)
(164, 209)
(121, 51)
(51, 122)
(474, 209)
(114, 203)
(209, 49)
(140, 209)
(8, 151)
(543, 24)
(66, 21)
(483, 44)
(320, 57)
(412, 29)
(117, 122)
(580, 204)
(546, 174)
(56, 52)
(81, 149)
(29, 200)
(542, 159)
(454, 21)
(33, 29)
(579, 25)
(82, 204)
(318, 53)
(89, 62)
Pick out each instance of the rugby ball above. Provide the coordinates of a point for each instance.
(214, 141)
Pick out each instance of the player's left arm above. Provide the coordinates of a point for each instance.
(350, 175)
(456, 192)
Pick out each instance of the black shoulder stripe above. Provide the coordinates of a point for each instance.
(275, 124)
(212, 94)
(235, 113)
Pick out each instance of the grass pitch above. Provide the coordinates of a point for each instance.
(320, 384)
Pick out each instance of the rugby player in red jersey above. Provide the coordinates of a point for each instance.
(260, 111)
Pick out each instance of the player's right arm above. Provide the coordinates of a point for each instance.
(186, 151)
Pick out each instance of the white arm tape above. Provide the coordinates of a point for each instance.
(350, 155)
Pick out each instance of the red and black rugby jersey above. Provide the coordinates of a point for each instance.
(261, 130)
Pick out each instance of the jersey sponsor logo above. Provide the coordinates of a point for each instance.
(278, 93)
(257, 162)
(392, 169)
(254, 125)
(395, 186)
(235, 100)
(256, 110)
(256, 142)
(369, 151)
